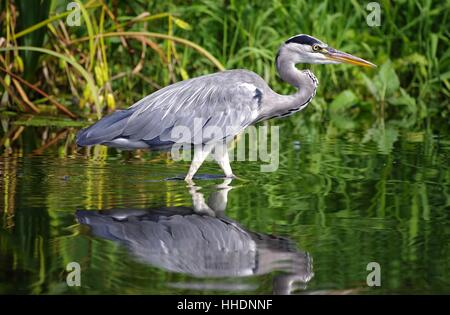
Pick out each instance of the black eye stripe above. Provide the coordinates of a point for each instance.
(303, 39)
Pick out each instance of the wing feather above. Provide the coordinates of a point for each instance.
(223, 100)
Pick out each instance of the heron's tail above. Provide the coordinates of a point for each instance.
(104, 130)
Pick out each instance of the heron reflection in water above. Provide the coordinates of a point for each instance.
(201, 241)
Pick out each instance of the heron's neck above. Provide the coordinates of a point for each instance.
(306, 83)
(289, 73)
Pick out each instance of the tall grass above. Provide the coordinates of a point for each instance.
(131, 49)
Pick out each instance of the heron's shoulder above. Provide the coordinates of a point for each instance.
(234, 82)
(229, 77)
(244, 75)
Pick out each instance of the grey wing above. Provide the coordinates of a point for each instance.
(216, 106)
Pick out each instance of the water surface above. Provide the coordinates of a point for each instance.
(333, 206)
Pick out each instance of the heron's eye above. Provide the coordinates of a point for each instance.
(315, 47)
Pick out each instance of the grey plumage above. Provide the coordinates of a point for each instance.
(229, 101)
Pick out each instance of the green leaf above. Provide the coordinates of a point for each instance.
(47, 121)
(389, 78)
(404, 100)
(417, 59)
(184, 74)
(384, 137)
(343, 101)
(32, 12)
(342, 122)
(444, 76)
(182, 24)
(371, 86)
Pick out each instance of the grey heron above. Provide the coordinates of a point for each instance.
(201, 241)
(226, 101)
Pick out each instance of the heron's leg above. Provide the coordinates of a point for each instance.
(218, 199)
(200, 154)
(222, 158)
(198, 201)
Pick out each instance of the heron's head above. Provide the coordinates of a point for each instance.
(307, 49)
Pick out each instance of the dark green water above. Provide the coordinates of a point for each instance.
(333, 206)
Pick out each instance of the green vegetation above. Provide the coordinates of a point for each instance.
(364, 170)
(123, 51)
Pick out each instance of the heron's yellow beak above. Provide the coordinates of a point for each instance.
(340, 56)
